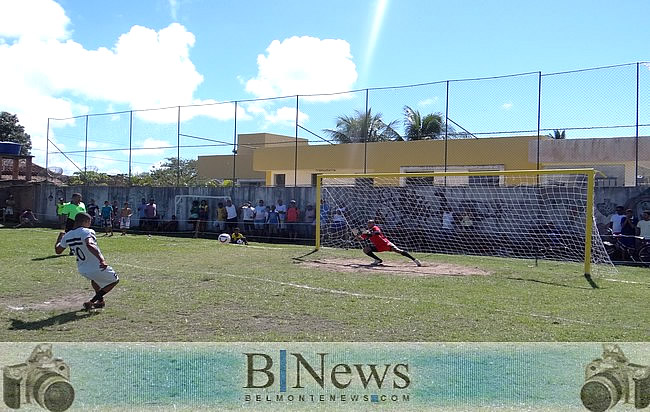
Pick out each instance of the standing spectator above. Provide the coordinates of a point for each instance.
(59, 212)
(10, 208)
(282, 211)
(628, 228)
(125, 218)
(643, 227)
(292, 219)
(324, 215)
(339, 223)
(116, 214)
(310, 221)
(260, 218)
(142, 218)
(92, 209)
(194, 217)
(151, 214)
(204, 215)
(107, 218)
(616, 221)
(273, 222)
(247, 213)
(222, 215)
(231, 216)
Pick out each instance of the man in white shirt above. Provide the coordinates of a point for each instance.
(247, 213)
(282, 211)
(260, 217)
(91, 264)
(231, 216)
(616, 221)
(643, 227)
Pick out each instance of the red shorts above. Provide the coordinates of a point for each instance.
(382, 247)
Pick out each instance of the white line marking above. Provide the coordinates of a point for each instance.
(627, 281)
(295, 285)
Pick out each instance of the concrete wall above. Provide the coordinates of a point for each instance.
(607, 198)
(165, 197)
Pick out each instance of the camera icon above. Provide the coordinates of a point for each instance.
(42, 378)
(613, 378)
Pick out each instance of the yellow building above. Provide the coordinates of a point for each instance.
(273, 160)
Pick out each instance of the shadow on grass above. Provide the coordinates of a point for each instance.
(48, 257)
(551, 283)
(60, 319)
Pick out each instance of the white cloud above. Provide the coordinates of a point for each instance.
(506, 106)
(428, 102)
(304, 65)
(39, 19)
(42, 66)
(149, 147)
(287, 116)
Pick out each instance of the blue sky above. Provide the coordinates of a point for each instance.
(69, 58)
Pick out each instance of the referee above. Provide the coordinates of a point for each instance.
(71, 210)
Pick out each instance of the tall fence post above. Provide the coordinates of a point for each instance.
(636, 140)
(130, 143)
(178, 148)
(446, 125)
(47, 152)
(234, 153)
(539, 116)
(86, 154)
(295, 155)
(366, 125)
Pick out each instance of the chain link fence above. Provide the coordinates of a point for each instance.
(603, 102)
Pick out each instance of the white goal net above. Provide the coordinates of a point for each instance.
(531, 215)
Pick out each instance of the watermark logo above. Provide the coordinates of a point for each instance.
(42, 379)
(284, 376)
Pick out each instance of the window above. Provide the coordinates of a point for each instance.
(279, 179)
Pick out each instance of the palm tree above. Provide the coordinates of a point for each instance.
(363, 127)
(417, 127)
(557, 134)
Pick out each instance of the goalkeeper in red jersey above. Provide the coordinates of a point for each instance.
(380, 243)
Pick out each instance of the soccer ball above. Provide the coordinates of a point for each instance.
(224, 238)
(240, 242)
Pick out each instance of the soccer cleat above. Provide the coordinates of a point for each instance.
(377, 262)
(99, 304)
(88, 305)
(417, 262)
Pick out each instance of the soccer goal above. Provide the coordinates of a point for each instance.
(183, 206)
(531, 214)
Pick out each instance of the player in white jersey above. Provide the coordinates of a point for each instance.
(91, 264)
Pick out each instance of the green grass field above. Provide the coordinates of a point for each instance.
(178, 289)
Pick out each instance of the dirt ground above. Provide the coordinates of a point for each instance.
(406, 268)
(72, 301)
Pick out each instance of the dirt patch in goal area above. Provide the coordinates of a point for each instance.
(72, 301)
(406, 268)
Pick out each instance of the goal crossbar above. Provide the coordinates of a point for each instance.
(589, 207)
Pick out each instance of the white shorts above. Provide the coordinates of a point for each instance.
(125, 222)
(102, 277)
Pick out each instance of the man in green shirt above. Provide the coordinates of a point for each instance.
(72, 209)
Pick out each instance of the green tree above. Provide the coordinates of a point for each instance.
(418, 127)
(360, 126)
(558, 134)
(12, 131)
